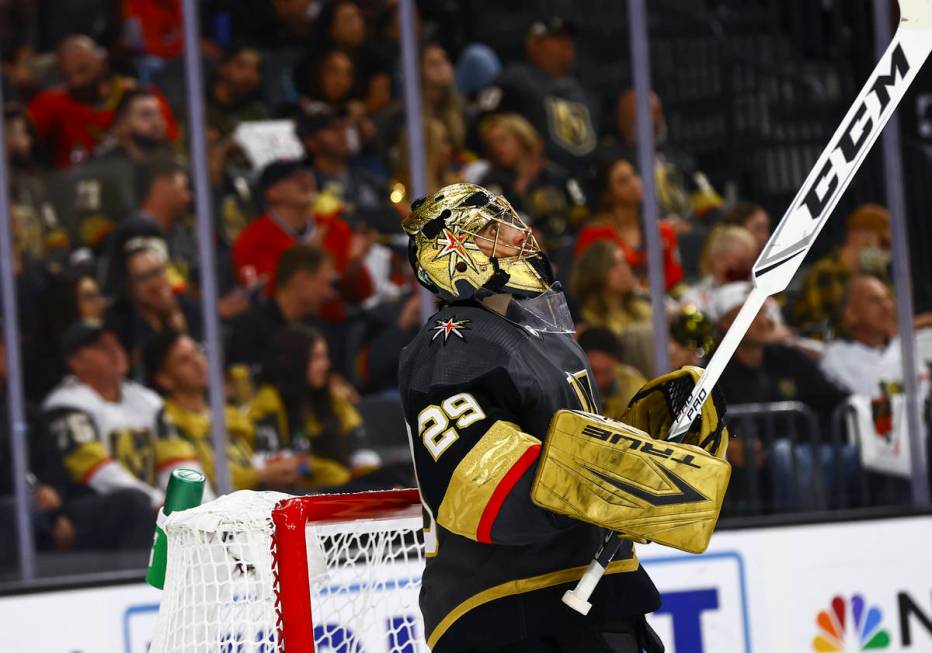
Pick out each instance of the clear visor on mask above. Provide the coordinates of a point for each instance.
(545, 313)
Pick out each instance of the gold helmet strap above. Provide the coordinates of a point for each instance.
(496, 282)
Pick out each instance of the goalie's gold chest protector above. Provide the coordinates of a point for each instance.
(479, 392)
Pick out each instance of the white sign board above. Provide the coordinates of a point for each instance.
(845, 588)
(120, 619)
(268, 140)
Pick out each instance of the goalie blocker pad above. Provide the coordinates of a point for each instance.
(610, 474)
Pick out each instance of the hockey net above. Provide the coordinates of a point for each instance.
(263, 572)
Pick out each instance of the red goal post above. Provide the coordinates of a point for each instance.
(263, 572)
(291, 518)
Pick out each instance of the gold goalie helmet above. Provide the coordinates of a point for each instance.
(467, 242)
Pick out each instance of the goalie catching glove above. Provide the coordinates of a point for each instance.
(615, 475)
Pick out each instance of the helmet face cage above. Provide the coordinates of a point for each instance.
(503, 214)
(458, 244)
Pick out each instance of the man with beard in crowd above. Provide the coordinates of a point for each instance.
(865, 250)
(72, 120)
(231, 98)
(101, 193)
(140, 131)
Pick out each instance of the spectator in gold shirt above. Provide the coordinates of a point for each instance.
(297, 410)
(177, 367)
(866, 250)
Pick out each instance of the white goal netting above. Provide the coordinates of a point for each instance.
(223, 592)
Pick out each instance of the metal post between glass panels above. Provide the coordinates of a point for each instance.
(205, 242)
(411, 83)
(902, 283)
(14, 377)
(640, 67)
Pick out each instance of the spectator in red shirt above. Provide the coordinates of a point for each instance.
(289, 191)
(73, 119)
(619, 220)
(153, 27)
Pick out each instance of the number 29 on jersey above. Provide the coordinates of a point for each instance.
(434, 422)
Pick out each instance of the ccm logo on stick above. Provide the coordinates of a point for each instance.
(856, 133)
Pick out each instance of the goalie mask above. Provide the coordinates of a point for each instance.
(467, 242)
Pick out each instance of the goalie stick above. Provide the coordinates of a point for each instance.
(788, 245)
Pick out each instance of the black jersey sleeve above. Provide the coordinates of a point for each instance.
(475, 463)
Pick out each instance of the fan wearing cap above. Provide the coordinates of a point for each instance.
(765, 370)
(544, 90)
(865, 250)
(65, 516)
(480, 384)
(105, 425)
(355, 194)
(289, 190)
(691, 338)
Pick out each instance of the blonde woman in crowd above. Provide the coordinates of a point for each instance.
(511, 143)
(441, 168)
(540, 189)
(728, 255)
(439, 97)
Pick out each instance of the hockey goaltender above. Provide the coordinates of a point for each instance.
(519, 474)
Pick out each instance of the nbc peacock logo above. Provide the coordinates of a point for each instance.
(847, 626)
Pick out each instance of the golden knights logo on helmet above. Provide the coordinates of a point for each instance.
(466, 241)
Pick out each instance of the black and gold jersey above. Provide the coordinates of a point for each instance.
(479, 392)
(273, 434)
(561, 110)
(194, 427)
